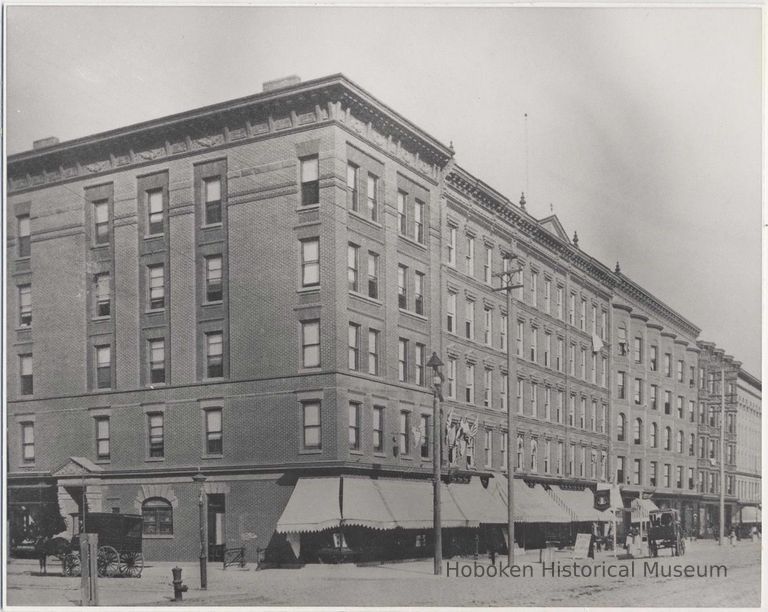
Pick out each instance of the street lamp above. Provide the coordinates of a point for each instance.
(437, 457)
(200, 479)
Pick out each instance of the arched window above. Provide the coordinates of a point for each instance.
(680, 442)
(158, 516)
(620, 427)
(653, 434)
(667, 438)
(637, 431)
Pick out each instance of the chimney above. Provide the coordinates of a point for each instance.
(282, 83)
(44, 143)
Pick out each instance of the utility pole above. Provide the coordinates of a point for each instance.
(437, 456)
(508, 286)
(722, 453)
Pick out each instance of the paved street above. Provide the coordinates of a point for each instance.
(412, 584)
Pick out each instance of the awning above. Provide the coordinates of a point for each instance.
(364, 505)
(640, 508)
(580, 505)
(409, 502)
(313, 506)
(531, 504)
(479, 503)
(747, 514)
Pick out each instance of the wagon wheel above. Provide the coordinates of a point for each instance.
(72, 564)
(107, 561)
(131, 564)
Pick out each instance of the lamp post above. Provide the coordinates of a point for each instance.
(437, 457)
(509, 286)
(200, 479)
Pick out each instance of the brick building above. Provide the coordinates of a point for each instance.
(748, 447)
(252, 290)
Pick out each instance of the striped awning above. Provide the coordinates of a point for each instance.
(313, 506)
(531, 504)
(641, 508)
(579, 504)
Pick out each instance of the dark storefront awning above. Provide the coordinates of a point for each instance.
(580, 505)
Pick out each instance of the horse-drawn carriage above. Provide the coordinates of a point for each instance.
(665, 531)
(119, 552)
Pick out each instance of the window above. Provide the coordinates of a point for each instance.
(213, 432)
(667, 364)
(680, 441)
(372, 191)
(603, 371)
(214, 355)
(418, 293)
(519, 396)
(571, 458)
(451, 246)
(692, 376)
(620, 470)
(620, 384)
(212, 189)
(583, 363)
(593, 417)
(156, 282)
(469, 393)
(451, 391)
(353, 349)
(560, 406)
(679, 477)
(654, 362)
(419, 360)
(352, 267)
(654, 397)
(25, 305)
(488, 326)
(311, 425)
(213, 286)
(583, 315)
(469, 319)
(559, 358)
(103, 367)
(519, 344)
(352, 198)
(654, 435)
(22, 222)
(402, 360)
(488, 389)
(488, 448)
(582, 412)
(593, 369)
(425, 430)
(667, 438)
(572, 360)
(620, 427)
(534, 455)
(450, 310)
(103, 295)
(594, 320)
(373, 352)
(504, 390)
(572, 411)
(547, 348)
(470, 256)
(667, 402)
(637, 471)
(637, 431)
(155, 211)
(503, 449)
(638, 391)
(157, 361)
(157, 515)
(637, 349)
(702, 448)
(534, 344)
(28, 442)
(519, 464)
(373, 275)
(310, 262)
(310, 180)
(604, 420)
(547, 403)
(26, 386)
(101, 222)
(680, 371)
(560, 302)
(418, 221)
(102, 437)
(679, 406)
(690, 478)
(603, 465)
(603, 317)
(572, 308)
(547, 295)
(503, 333)
(559, 462)
(354, 426)
(156, 426)
(547, 451)
(402, 218)
(488, 265)
(692, 445)
(534, 399)
(534, 288)
(378, 429)
(310, 344)
(653, 473)
(402, 292)
(622, 343)
(405, 432)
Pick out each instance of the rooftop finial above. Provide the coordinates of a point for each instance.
(551, 208)
(450, 146)
(522, 200)
(575, 239)
(618, 268)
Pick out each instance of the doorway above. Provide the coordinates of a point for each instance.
(217, 536)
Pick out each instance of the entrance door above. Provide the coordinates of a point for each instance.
(216, 527)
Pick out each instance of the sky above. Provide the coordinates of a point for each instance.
(643, 133)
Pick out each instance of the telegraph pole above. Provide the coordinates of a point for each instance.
(437, 456)
(508, 286)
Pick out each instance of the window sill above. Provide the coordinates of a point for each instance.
(154, 459)
(103, 461)
(101, 246)
(157, 536)
(412, 314)
(219, 456)
(154, 310)
(412, 241)
(309, 289)
(211, 225)
(101, 318)
(358, 215)
(151, 236)
(366, 298)
(311, 370)
(214, 303)
(308, 207)
(355, 452)
(311, 451)
(159, 385)
(380, 454)
(22, 328)
(214, 379)
(25, 258)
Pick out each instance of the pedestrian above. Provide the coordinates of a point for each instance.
(754, 533)
(41, 545)
(732, 536)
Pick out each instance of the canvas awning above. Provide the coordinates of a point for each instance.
(531, 504)
(410, 504)
(479, 503)
(640, 508)
(580, 505)
(364, 505)
(313, 506)
(748, 514)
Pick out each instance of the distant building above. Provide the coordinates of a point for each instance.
(749, 433)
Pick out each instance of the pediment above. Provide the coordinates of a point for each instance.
(552, 225)
(77, 466)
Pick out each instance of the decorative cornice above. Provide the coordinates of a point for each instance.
(333, 99)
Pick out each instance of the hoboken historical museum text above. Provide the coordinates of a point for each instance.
(573, 569)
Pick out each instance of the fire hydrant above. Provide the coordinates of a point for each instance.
(178, 587)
